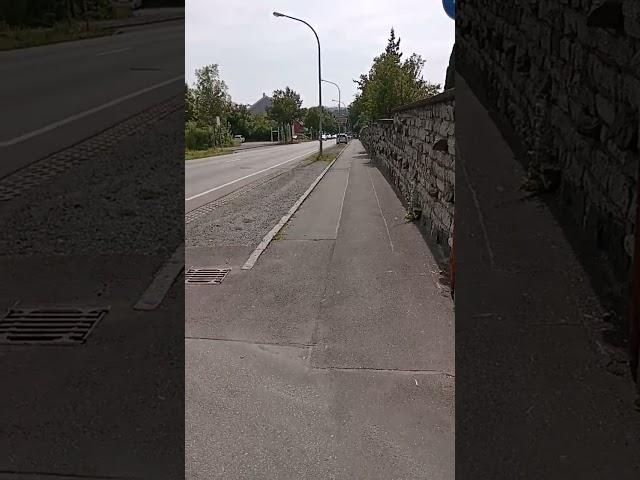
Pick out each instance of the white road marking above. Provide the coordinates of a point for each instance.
(111, 52)
(248, 176)
(157, 290)
(86, 113)
(253, 258)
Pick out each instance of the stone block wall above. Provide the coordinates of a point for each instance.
(577, 62)
(416, 148)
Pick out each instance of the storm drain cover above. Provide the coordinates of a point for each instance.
(206, 275)
(49, 326)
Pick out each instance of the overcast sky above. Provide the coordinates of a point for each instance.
(257, 52)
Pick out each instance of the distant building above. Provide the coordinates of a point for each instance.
(261, 106)
(298, 127)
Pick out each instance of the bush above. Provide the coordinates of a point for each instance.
(197, 138)
(203, 138)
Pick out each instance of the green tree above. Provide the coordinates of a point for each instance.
(261, 127)
(312, 120)
(285, 109)
(240, 120)
(211, 100)
(211, 96)
(390, 83)
(189, 105)
(357, 114)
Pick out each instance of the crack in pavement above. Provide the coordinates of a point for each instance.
(250, 342)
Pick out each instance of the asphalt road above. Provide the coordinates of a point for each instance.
(55, 96)
(208, 179)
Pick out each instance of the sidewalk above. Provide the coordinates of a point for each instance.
(333, 358)
(533, 371)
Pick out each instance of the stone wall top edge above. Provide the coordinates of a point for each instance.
(446, 96)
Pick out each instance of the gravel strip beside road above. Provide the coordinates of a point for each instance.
(122, 200)
(243, 220)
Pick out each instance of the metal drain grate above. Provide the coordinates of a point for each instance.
(206, 275)
(48, 326)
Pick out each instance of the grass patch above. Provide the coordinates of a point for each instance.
(12, 38)
(328, 155)
(212, 152)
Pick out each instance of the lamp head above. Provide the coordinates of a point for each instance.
(277, 14)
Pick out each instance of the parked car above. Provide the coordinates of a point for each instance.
(341, 138)
(239, 137)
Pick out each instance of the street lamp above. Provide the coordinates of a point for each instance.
(339, 96)
(278, 14)
(345, 107)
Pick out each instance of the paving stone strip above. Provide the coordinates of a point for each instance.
(53, 165)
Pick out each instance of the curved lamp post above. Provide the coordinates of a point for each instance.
(345, 109)
(339, 97)
(278, 14)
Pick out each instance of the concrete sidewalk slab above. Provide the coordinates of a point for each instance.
(263, 413)
(382, 307)
(275, 303)
(318, 219)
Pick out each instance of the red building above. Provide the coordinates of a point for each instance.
(298, 127)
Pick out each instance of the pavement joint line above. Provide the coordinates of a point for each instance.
(388, 370)
(399, 371)
(344, 196)
(193, 197)
(250, 342)
(262, 246)
(162, 282)
(381, 213)
(476, 203)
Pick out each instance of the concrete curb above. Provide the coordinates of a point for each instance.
(141, 22)
(162, 282)
(275, 144)
(262, 246)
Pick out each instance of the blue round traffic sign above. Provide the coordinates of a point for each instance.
(450, 8)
